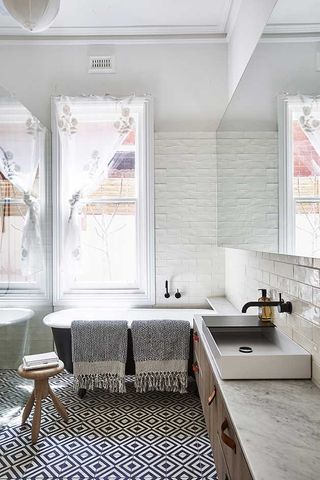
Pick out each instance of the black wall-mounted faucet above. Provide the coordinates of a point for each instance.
(167, 294)
(177, 294)
(283, 307)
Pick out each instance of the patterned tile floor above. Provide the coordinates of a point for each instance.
(153, 436)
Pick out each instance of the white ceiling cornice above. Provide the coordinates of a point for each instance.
(287, 38)
(125, 40)
(289, 28)
(117, 31)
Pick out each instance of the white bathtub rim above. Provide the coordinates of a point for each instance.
(63, 318)
(14, 315)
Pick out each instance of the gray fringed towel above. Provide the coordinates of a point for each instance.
(99, 352)
(161, 352)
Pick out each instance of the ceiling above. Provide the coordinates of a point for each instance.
(213, 18)
(125, 17)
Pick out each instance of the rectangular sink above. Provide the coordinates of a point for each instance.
(245, 348)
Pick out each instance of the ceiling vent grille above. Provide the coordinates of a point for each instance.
(101, 64)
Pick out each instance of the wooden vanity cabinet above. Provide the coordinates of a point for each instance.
(229, 459)
(233, 455)
(220, 462)
(207, 387)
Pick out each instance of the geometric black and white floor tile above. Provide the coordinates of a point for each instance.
(151, 436)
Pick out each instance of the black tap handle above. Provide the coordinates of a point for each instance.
(167, 294)
(284, 307)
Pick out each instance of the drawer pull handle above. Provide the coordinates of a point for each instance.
(225, 438)
(195, 337)
(212, 396)
(195, 368)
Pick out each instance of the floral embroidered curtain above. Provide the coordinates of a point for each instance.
(91, 129)
(310, 122)
(22, 145)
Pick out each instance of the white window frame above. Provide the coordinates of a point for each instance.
(120, 297)
(286, 200)
(28, 293)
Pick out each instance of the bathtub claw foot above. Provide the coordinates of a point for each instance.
(82, 392)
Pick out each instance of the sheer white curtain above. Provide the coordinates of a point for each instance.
(22, 144)
(310, 122)
(91, 129)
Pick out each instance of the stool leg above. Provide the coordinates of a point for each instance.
(36, 418)
(27, 408)
(58, 405)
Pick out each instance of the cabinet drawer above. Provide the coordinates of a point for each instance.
(236, 463)
(212, 403)
(207, 387)
(196, 370)
(196, 341)
(221, 466)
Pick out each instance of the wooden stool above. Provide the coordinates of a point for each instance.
(41, 390)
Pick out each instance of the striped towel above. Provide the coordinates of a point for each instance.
(161, 352)
(99, 352)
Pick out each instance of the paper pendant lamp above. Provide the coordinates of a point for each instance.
(33, 15)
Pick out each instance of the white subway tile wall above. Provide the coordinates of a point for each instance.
(185, 218)
(248, 189)
(297, 278)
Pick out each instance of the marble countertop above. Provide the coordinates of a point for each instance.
(278, 425)
(222, 306)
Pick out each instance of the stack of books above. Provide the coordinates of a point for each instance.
(40, 360)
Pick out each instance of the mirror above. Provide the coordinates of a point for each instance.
(24, 235)
(268, 141)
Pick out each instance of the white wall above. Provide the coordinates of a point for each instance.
(274, 68)
(247, 29)
(188, 81)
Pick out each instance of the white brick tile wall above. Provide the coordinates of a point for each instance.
(248, 189)
(185, 218)
(297, 278)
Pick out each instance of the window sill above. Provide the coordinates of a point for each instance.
(102, 299)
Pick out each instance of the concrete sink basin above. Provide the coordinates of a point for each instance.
(245, 348)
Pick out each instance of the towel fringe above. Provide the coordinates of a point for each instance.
(161, 381)
(113, 383)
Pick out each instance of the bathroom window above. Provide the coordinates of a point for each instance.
(23, 206)
(103, 225)
(300, 175)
